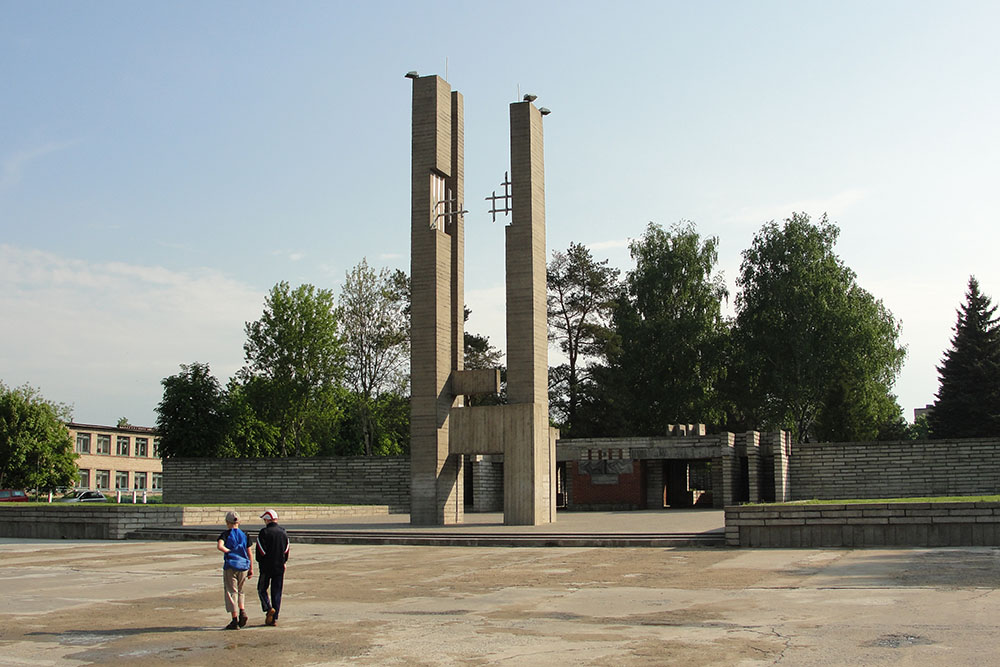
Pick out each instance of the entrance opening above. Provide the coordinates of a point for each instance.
(687, 483)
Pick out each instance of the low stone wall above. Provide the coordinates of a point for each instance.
(93, 521)
(864, 525)
(98, 521)
(355, 480)
(895, 469)
(250, 514)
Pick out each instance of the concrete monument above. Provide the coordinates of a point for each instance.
(442, 429)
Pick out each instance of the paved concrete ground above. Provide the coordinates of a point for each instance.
(85, 602)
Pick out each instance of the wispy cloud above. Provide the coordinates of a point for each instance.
(834, 205)
(605, 245)
(101, 335)
(386, 256)
(290, 255)
(12, 166)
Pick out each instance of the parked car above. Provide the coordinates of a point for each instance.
(83, 497)
(13, 496)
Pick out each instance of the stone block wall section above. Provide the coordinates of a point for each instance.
(115, 522)
(355, 480)
(487, 483)
(864, 525)
(83, 522)
(894, 469)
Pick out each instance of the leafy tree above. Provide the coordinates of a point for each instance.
(190, 417)
(372, 316)
(968, 398)
(123, 422)
(297, 354)
(581, 297)
(36, 451)
(247, 433)
(480, 355)
(808, 339)
(919, 429)
(667, 362)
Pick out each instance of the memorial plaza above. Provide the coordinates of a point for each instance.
(80, 602)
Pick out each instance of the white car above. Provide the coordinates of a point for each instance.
(83, 497)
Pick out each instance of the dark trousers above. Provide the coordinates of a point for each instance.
(274, 580)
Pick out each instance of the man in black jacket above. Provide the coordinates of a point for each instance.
(272, 554)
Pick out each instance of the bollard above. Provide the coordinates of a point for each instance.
(50, 496)
(144, 496)
(133, 496)
(118, 496)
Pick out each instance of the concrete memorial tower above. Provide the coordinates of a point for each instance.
(442, 429)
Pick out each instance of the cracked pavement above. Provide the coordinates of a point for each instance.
(87, 602)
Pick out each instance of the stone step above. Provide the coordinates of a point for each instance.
(714, 538)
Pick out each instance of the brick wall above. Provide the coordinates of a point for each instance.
(618, 487)
(864, 525)
(912, 468)
(356, 480)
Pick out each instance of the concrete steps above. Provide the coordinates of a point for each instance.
(715, 538)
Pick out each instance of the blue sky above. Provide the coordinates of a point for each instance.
(162, 165)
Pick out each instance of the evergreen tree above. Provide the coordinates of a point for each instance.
(968, 404)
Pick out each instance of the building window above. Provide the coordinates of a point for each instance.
(139, 481)
(123, 443)
(83, 443)
(103, 444)
(103, 479)
(157, 481)
(121, 480)
(84, 482)
(156, 447)
(142, 446)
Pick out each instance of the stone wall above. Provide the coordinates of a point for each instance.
(356, 480)
(83, 521)
(864, 525)
(487, 483)
(912, 468)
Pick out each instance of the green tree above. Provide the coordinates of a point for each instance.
(581, 298)
(36, 451)
(667, 361)
(247, 434)
(808, 339)
(296, 352)
(190, 417)
(372, 317)
(480, 355)
(968, 398)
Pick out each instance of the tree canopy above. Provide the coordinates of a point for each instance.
(373, 318)
(815, 351)
(190, 417)
(665, 358)
(581, 298)
(296, 353)
(968, 398)
(36, 451)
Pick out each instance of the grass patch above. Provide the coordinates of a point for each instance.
(926, 499)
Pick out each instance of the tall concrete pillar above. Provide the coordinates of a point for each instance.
(437, 314)
(529, 456)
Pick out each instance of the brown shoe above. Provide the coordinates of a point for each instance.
(243, 618)
(269, 619)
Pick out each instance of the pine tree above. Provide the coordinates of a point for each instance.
(968, 404)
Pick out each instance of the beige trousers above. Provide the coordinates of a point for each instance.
(232, 583)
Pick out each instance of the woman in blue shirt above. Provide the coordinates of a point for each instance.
(236, 568)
